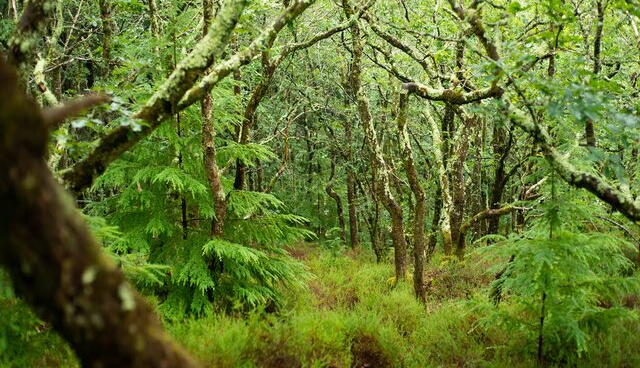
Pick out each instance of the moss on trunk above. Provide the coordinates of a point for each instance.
(56, 264)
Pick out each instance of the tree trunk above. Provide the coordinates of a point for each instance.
(107, 30)
(589, 129)
(418, 192)
(351, 177)
(209, 147)
(443, 179)
(501, 149)
(458, 183)
(332, 193)
(373, 217)
(56, 264)
(211, 168)
(153, 18)
(388, 200)
(248, 122)
(351, 191)
(435, 221)
(478, 198)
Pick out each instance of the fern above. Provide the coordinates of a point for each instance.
(572, 279)
(247, 153)
(149, 192)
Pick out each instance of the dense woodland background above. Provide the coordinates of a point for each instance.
(325, 183)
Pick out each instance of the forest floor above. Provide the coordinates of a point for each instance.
(352, 314)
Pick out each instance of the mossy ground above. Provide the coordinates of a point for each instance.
(350, 315)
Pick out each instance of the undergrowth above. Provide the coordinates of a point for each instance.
(349, 315)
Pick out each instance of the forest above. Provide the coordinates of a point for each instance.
(319, 183)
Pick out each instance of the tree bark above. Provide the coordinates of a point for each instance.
(589, 129)
(351, 202)
(351, 176)
(107, 30)
(332, 193)
(209, 146)
(418, 192)
(388, 200)
(458, 190)
(443, 179)
(153, 18)
(501, 149)
(56, 264)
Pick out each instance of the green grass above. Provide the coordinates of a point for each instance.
(351, 315)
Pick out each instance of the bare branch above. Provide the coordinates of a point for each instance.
(55, 116)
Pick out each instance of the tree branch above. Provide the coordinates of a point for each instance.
(452, 96)
(161, 103)
(55, 263)
(619, 200)
(55, 116)
(491, 212)
(244, 57)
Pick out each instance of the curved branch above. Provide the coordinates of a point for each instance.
(452, 96)
(397, 43)
(491, 212)
(244, 57)
(620, 201)
(162, 103)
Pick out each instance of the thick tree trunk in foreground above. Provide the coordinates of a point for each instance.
(56, 264)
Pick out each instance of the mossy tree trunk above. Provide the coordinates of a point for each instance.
(106, 7)
(392, 206)
(209, 145)
(419, 208)
(501, 149)
(443, 181)
(351, 175)
(336, 197)
(55, 263)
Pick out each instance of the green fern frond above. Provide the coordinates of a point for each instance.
(248, 153)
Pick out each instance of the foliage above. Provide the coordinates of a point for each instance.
(349, 314)
(242, 298)
(564, 284)
(26, 341)
(242, 270)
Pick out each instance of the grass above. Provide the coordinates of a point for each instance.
(352, 315)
